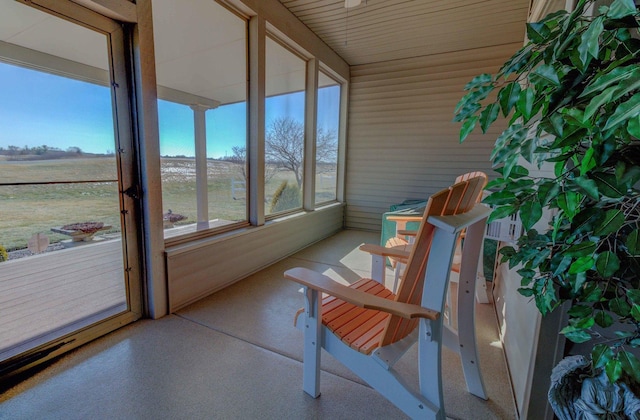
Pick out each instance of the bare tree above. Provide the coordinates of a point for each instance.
(284, 141)
(239, 158)
(326, 150)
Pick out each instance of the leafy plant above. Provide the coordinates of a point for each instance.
(4, 256)
(286, 197)
(572, 96)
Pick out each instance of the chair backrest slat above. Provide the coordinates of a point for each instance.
(457, 199)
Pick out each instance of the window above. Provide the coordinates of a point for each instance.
(327, 138)
(201, 62)
(284, 128)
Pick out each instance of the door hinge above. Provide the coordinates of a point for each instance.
(133, 192)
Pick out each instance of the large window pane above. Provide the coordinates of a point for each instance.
(327, 138)
(284, 130)
(60, 206)
(57, 160)
(201, 56)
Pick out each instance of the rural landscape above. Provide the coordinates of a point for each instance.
(43, 188)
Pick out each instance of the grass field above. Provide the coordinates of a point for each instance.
(31, 209)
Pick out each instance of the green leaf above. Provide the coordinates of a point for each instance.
(501, 212)
(599, 100)
(583, 323)
(498, 183)
(518, 61)
(603, 319)
(614, 370)
(481, 79)
(621, 8)
(634, 296)
(500, 198)
(564, 264)
(579, 281)
(633, 127)
(587, 185)
(633, 242)
(589, 41)
(629, 85)
(580, 311)
(629, 176)
(607, 264)
(467, 127)
(575, 117)
(625, 111)
(581, 249)
(469, 109)
(630, 364)
(624, 334)
(544, 75)
(569, 202)
(519, 172)
(600, 355)
(578, 336)
(508, 96)
(547, 192)
(613, 221)
(525, 292)
(613, 77)
(488, 116)
(525, 103)
(635, 312)
(537, 32)
(507, 144)
(509, 164)
(620, 307)
(593, 294)
(530, 213)
(588, 163)
(608, 185)
(581, 265)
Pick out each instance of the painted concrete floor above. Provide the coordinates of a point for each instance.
(236, 355)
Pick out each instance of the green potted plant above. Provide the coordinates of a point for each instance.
(572, 97)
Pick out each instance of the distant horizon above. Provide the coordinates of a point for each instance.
(39, 108)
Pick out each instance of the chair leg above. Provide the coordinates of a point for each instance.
(378, 268)
(429, 365)
(466, 314)
(312, 343)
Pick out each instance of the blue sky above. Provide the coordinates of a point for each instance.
(41, 109)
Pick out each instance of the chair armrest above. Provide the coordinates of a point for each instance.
(356, 297)
(403, 232)
(393, 252)
(404, 218)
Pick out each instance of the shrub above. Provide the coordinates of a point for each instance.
(286, 197)
(3, 254)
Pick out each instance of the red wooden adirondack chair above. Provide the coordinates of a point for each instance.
(368, 328)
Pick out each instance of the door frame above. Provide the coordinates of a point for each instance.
(119, 54)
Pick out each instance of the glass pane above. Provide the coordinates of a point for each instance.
(201, 75)
(59, 189)
(327, 138)
(284, 130)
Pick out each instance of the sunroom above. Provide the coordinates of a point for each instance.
(157, 156)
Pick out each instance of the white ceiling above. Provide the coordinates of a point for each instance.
(200, 45)
(30, 28)
(382, 30)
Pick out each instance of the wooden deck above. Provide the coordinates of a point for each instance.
(49, 295)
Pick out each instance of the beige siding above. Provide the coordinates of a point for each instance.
(200, 268)
(402, 143)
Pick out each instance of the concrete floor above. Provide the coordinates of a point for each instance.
(236, 354)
